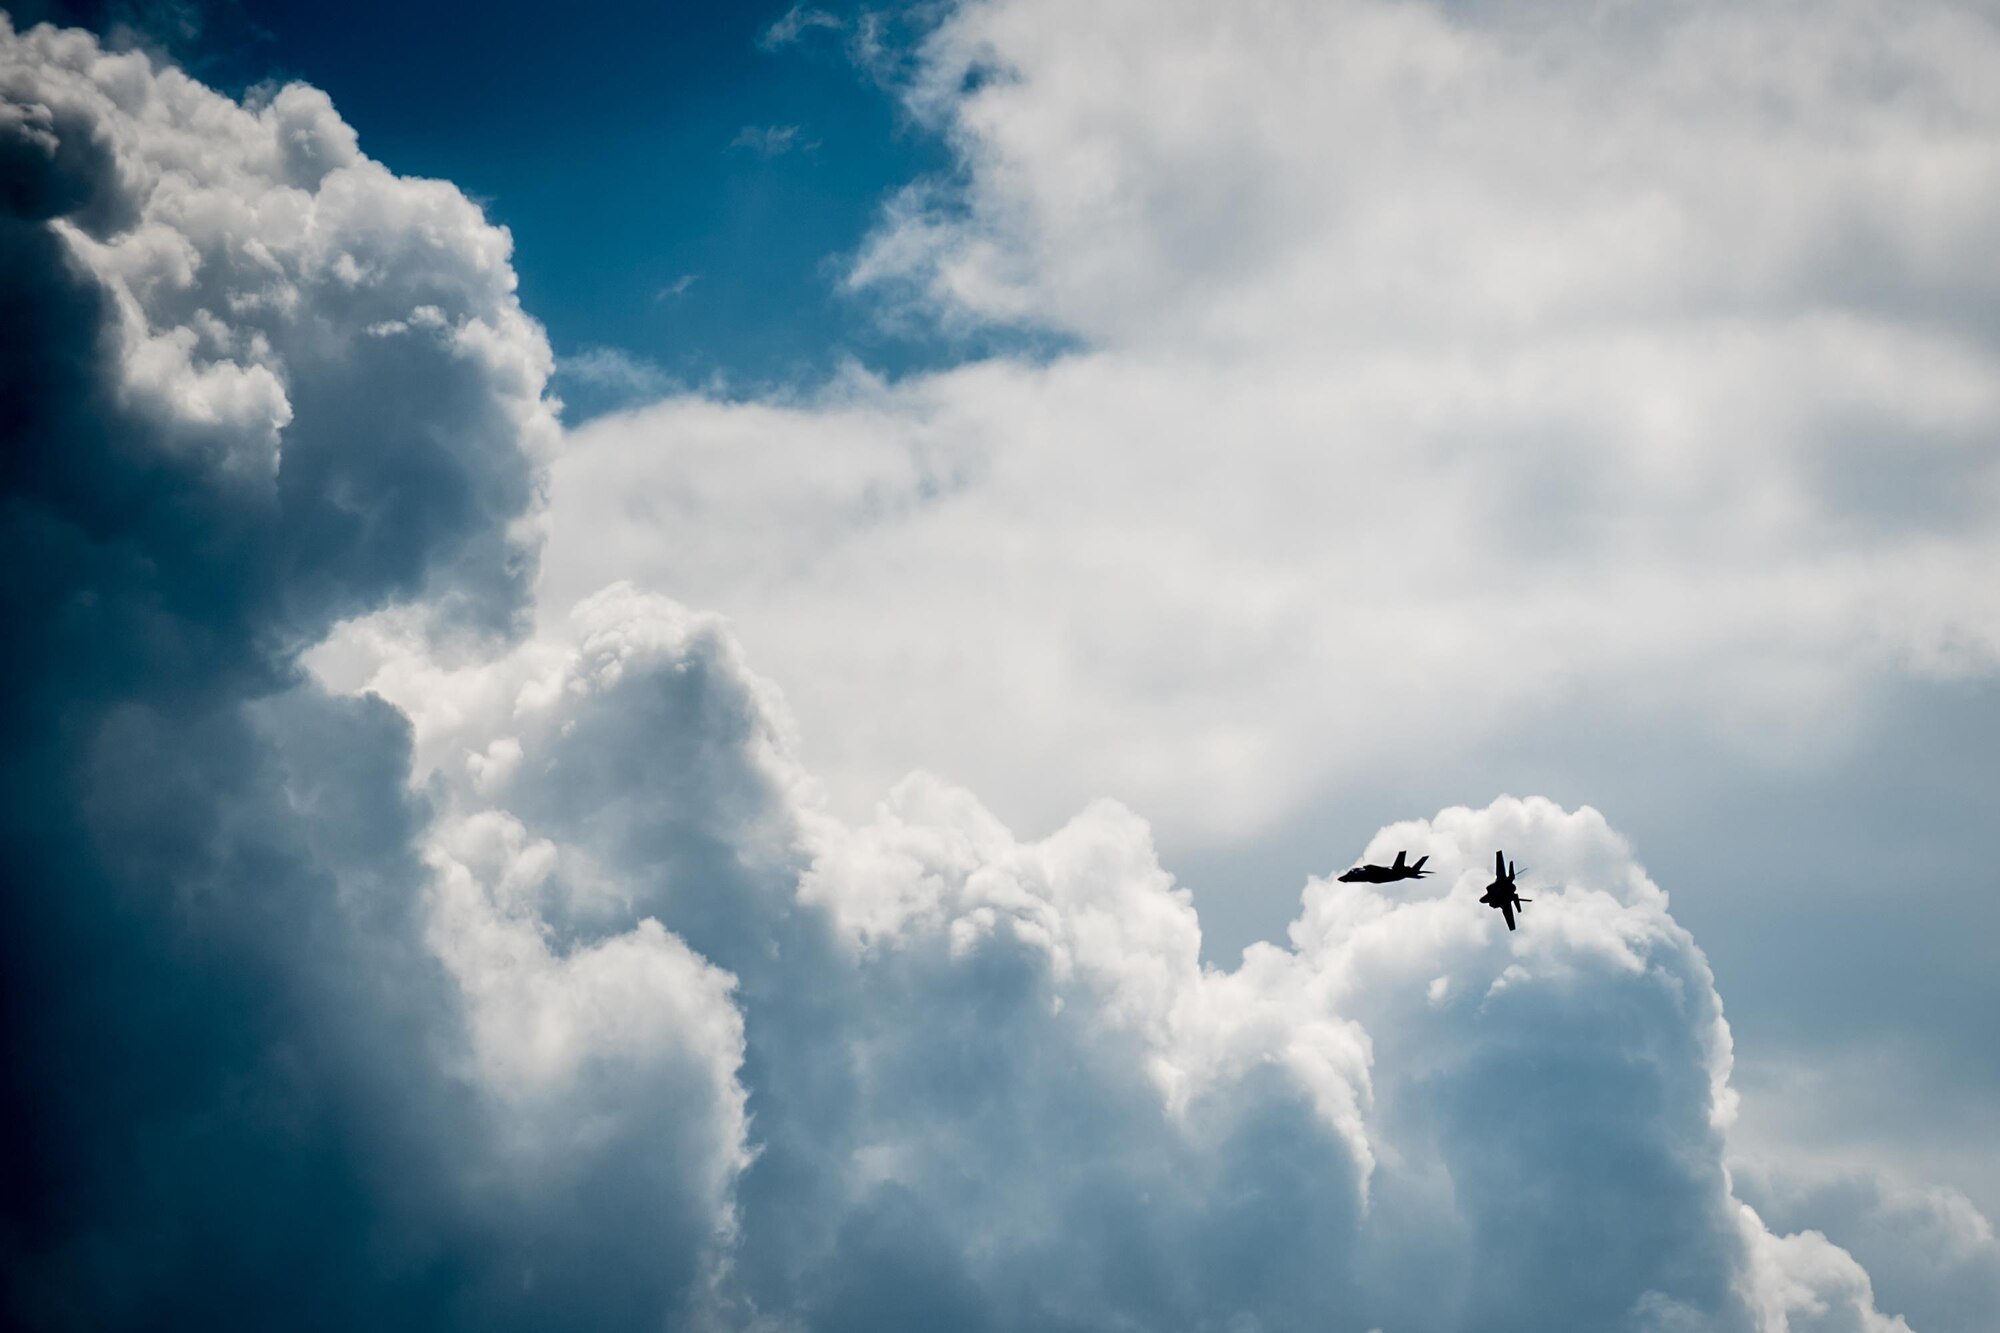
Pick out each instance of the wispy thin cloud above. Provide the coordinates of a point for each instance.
(677, 288)
(796, 23)
(770, 140)
(615, 370)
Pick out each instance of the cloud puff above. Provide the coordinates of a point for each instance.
(1928, 1252)
(535, 984)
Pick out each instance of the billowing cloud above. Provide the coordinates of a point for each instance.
(254, 384)
(1928, 1251)
(990, 1082)
(481, 969)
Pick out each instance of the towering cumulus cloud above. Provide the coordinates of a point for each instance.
(255, 384)
(534, 986)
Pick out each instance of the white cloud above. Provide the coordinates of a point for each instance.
(1548, 1127)
(1929, 1253)
(1170, 582)
(1370, 173)
(1455, 364)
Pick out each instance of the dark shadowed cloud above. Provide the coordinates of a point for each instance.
(256, 384)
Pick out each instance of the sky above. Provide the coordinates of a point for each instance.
(710, 668)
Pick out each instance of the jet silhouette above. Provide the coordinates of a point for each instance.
(1386, 874)
(1502, 893)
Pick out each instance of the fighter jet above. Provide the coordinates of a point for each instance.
(1502, 893)
(1387, 874)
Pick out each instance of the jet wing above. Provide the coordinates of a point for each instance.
(1507, 910)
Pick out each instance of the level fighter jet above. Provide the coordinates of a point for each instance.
(1387, 874)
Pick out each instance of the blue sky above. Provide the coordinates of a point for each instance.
(680, 187)
(769, 745)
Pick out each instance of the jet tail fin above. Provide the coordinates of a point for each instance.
(1399, 860)
(1420, 863)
